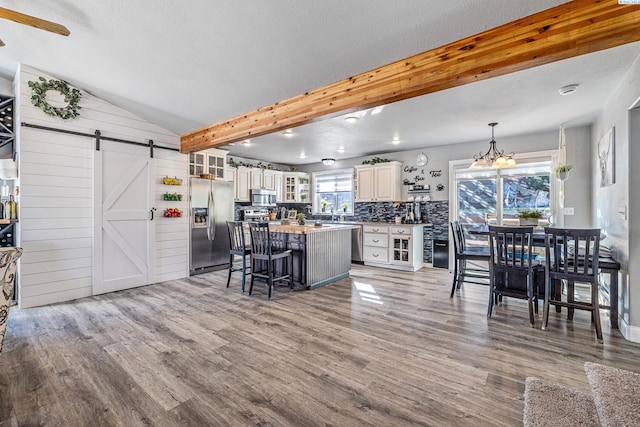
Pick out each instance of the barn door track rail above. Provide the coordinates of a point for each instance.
(98, 137)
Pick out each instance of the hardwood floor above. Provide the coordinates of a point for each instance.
(382, 348)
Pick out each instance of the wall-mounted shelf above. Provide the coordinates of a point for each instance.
(426, 190)
(171, 181)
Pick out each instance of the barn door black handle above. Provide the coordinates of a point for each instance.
(151, 210)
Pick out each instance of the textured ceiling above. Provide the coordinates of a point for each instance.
(186, 65)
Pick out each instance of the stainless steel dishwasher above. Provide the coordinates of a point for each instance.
(356, 242)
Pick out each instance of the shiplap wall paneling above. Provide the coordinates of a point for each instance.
(56, 197)
(55, 217)
(172, 234)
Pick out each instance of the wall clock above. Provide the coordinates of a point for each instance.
(421, 159)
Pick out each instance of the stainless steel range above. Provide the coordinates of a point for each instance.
(256, 214)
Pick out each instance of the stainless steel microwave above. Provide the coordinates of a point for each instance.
(263, 197)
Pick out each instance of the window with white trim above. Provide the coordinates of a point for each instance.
(333, 192)
(496, 196)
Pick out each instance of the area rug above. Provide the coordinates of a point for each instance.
(549, 405)
(616, 394)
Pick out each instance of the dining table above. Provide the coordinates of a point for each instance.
(607, 265)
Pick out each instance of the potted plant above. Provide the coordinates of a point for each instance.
(300, 217)
(344, 206)
(530, 216)
(324, 204)
(562, 172)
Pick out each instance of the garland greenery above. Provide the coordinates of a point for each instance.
(375, 160)
(71, 96)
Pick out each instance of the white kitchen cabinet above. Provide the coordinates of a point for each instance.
(397, 246)
(269, 179)
(376, 245)
(378, 183)
(278, 185)
(255, 177)
(406, 247)
(265, 178)
(242, 183)
(230, 174)
(296, 187)
(212, 161)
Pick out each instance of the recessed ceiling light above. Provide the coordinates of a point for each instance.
(288, 133)
(231, 144)
(302, 155)
(568, 89)
(377, 110)
(341, 150)
(396, 141)
(351, 119)
(246, 143)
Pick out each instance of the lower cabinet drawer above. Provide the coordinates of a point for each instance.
(372, 239)
(376, 254)
(402, 231)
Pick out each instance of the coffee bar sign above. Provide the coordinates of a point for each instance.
(414, 175)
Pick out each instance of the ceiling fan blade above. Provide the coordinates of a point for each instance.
(21, 18)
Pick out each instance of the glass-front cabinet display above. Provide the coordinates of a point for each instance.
(296, 187)
(290, 187)
(401, 247)
(210, 162)
(215, 166)
(196, 163)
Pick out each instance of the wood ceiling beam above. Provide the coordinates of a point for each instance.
(565, 31)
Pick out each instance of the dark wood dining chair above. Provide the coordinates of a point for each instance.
(237, 246)
(266, 250)
(465, 268)
(512, 267)
(572, 256)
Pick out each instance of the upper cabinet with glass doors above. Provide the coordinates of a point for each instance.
(211, 162)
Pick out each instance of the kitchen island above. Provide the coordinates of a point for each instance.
(321, 255)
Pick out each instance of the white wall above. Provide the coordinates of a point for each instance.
(56, 196)
(577, 187)
(609, 199)
(6, 87)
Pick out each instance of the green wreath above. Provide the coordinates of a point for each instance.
(71, 96)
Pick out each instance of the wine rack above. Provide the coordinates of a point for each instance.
(7, 235)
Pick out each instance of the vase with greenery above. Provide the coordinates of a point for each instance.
(530, 216)
(562, 171)
(344, 206)
(300, 217)
(324, 204)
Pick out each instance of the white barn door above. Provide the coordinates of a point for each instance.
(124, 234)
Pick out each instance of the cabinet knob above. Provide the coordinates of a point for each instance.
(375, 240)
(375, 255)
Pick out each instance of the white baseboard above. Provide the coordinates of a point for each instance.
(630, 332)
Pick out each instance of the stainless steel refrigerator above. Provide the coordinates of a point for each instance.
(211, 207)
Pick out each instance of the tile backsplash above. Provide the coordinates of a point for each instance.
(432, 212)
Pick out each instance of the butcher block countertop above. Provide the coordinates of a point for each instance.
(308, 228)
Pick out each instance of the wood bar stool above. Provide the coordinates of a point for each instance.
(237, 247)
(266, 249)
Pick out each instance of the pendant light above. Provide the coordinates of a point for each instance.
(493, 157)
